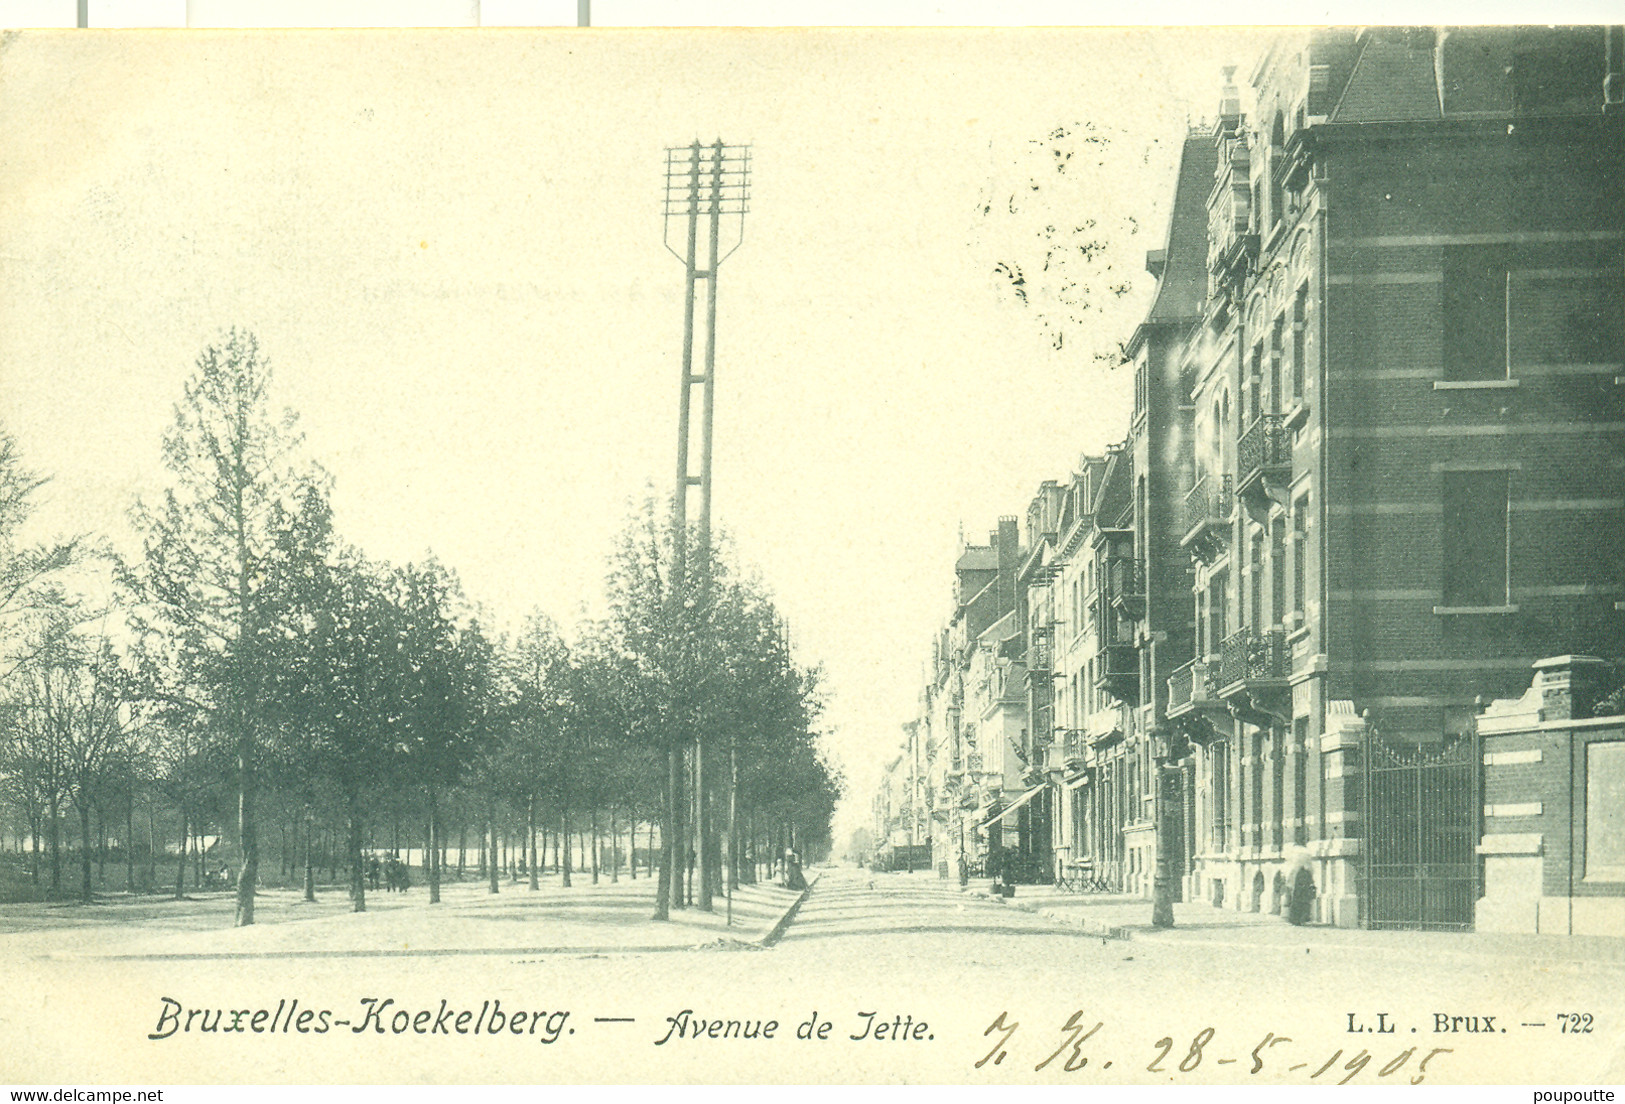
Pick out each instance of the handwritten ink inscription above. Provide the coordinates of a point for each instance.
(1079, 1050)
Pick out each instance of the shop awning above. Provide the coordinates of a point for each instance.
(1013, 806)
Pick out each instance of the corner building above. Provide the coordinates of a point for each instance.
(1407, 393)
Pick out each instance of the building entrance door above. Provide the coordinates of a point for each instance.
(1422, 812)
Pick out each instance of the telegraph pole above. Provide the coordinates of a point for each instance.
(703, 183)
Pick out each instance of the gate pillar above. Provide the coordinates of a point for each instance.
(1336, 848)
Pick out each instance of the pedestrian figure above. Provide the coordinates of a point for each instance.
(1302, 905)
(372, 872)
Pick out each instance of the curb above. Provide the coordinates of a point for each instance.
(1092, 927)
(777, 930)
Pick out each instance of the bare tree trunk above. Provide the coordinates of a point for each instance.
(592, 828)
(733, 817)
(180, 867)
(702, 802)
(433, 856)
(614, 849)
(663, 886)
(247, 829)
(310, 861)
(535, 876)
(564, 831)
(462, 847)
(129, 846)
(358, 881)
(84, 850)
(491, 855)
(56, 847)
(678, 843)
(101, 845)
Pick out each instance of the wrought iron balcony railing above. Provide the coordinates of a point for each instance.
(1264, 450)
(1208, 506)
(1248, 656)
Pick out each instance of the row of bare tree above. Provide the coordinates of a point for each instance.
(250, 652)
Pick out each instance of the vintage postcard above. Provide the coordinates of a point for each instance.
(982, 557)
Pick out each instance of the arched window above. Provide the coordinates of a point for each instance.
(1276, 168)
(1215, 464)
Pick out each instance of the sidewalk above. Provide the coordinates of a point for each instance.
(1119, 916)
(585, 919)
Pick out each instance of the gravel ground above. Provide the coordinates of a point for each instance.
(909, 974)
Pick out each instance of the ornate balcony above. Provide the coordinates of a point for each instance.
(1120, 672)
(1208, 507)
(1253, 672)
(1249, 656)
(1125, 586)
(1263, 460)
(1191, 689)
(1107, 727)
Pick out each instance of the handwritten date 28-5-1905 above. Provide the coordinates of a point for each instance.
(1083, 1047)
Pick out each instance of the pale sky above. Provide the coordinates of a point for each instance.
(450, 247)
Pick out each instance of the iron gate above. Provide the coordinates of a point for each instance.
(1422, 811)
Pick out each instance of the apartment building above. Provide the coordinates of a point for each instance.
(1373, 476)
(1407, 446)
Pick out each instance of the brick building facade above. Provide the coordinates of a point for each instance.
(1375, 471)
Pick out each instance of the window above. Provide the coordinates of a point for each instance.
(1300, 554)
(1276, 403)
(1259, 816)
(1300, 779)
(1475, 545)
(1219, 756)
(1277, 791)
(1476, 282)
(1254, 384)
(1255, 582)
(1277, 571)
(1277, 168)
(1300, 312)
(1216, 612)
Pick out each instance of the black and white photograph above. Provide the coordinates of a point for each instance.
(981, 556)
